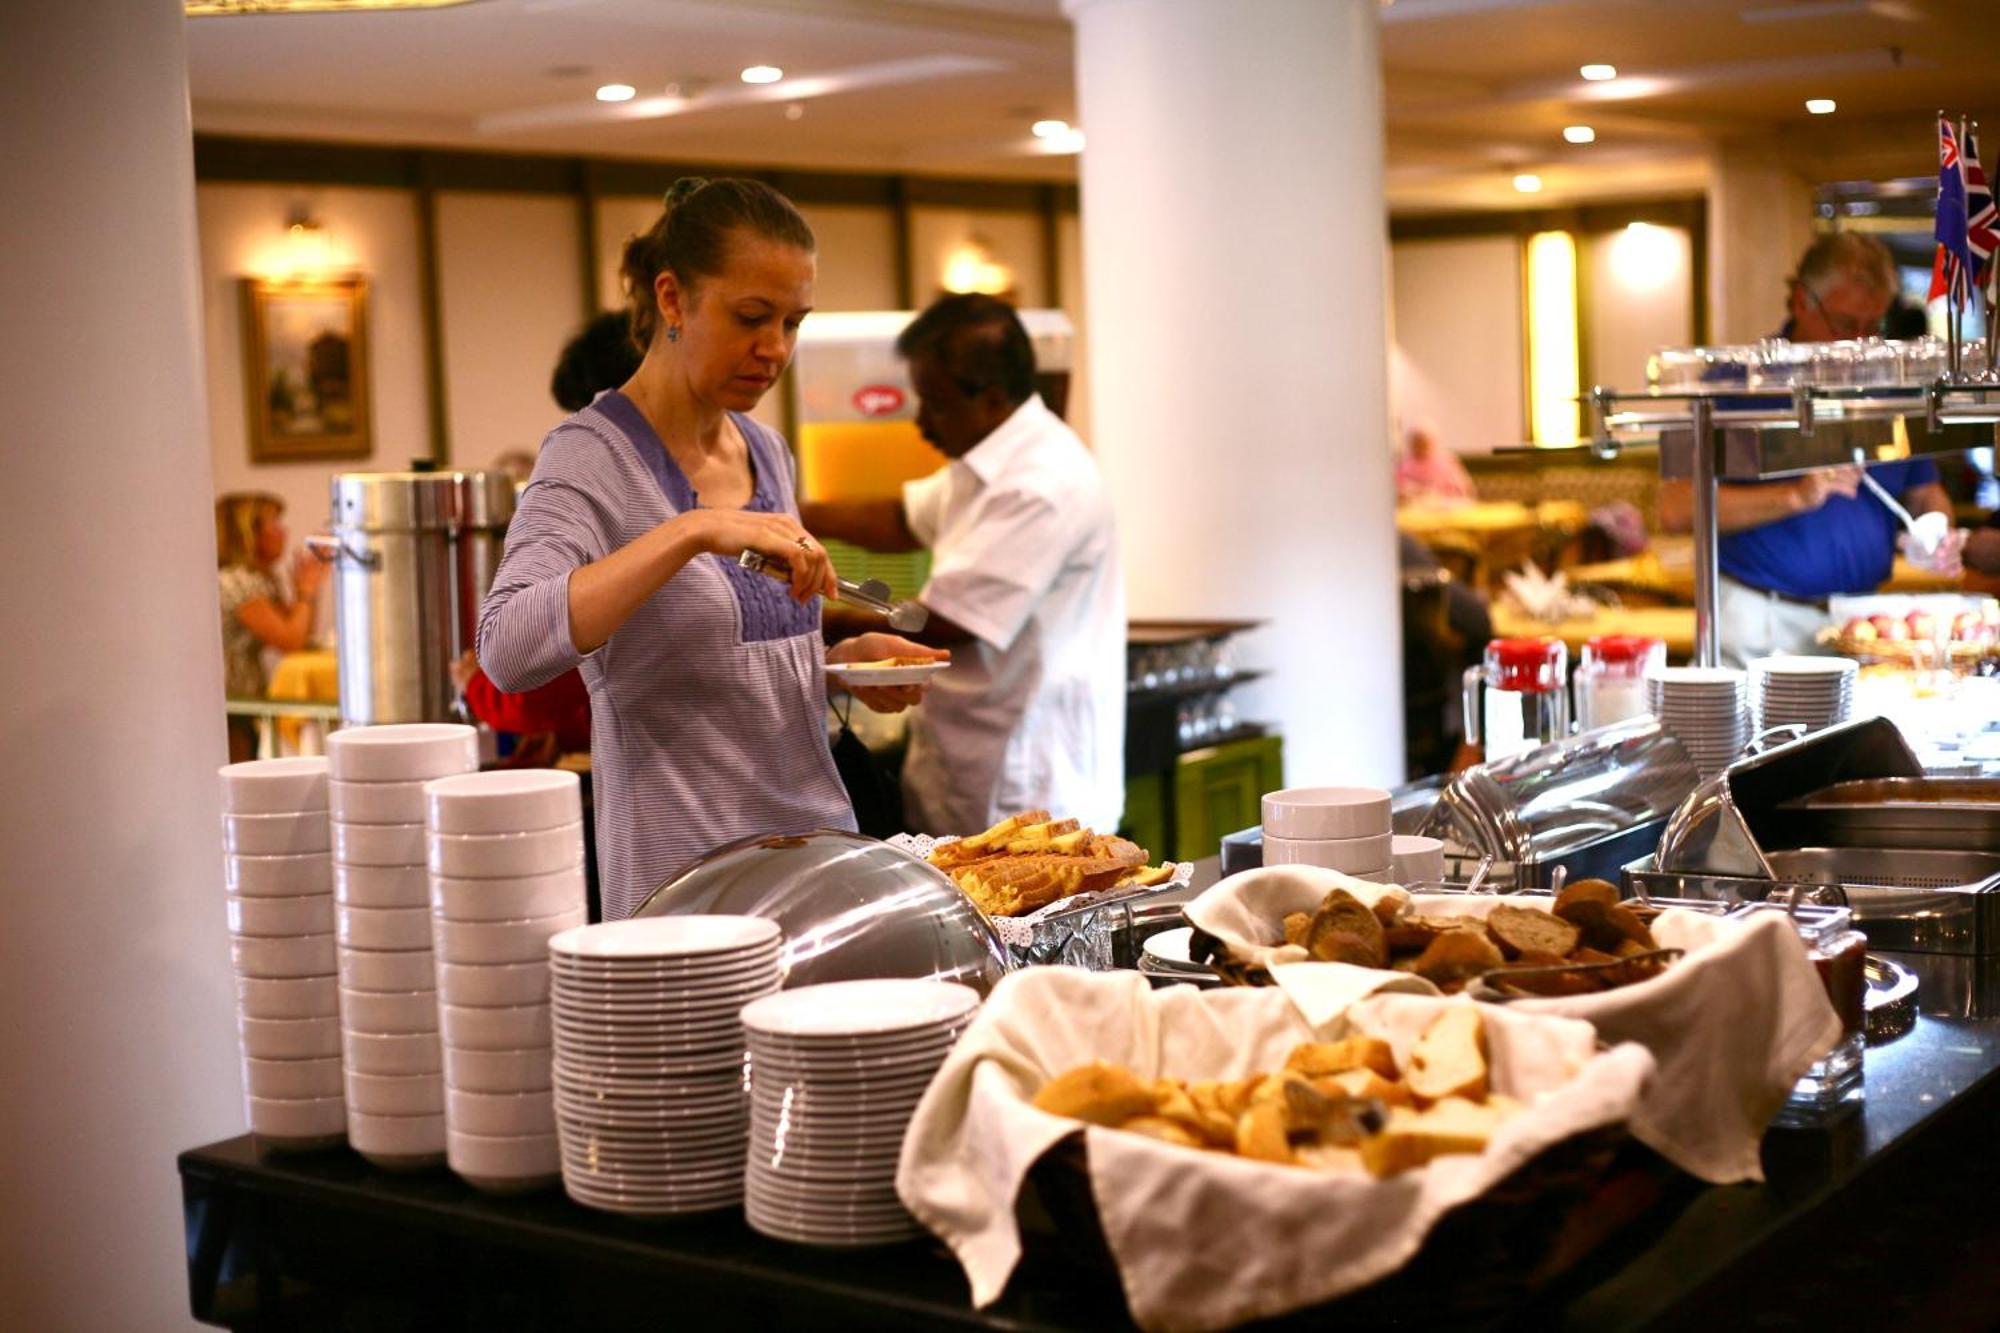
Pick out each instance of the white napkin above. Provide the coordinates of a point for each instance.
(1247, 911)
(1205, 1240)
(1544, 597)
(1733, 1025)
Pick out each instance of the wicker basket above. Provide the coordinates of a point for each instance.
(1479, 1265)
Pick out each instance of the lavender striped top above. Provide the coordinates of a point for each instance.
(708, 706)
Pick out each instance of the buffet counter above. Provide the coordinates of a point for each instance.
(1858, 1211)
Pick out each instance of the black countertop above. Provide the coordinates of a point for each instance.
(1888, 1212)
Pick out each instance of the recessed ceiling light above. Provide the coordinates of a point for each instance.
(1050, 129)
(1599, 73)
(1579, 134)
(1528, 183)
(616, 92)
(795, 110)
(762, 74)
(1820, 106)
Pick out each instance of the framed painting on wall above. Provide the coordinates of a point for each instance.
(305, 368)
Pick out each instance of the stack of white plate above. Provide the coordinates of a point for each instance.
(1340, 828)
(1418, 860)
(651, 1104)
(1812, 692)
(388, 984)
(279, 877)
(835, 1073)
(506, 855)
(1707, 709)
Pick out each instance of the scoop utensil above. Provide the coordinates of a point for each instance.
(1927, 531)
(908, 617)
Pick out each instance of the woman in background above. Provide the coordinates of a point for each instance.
(250, 539)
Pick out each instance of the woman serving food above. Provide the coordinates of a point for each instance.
(707, 680)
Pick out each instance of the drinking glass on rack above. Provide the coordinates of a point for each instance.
(1781, 364)
(1835, 364)
(1923, 359)
(1877, 362)
(1673, 369)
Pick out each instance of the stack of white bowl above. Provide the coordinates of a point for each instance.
(1707, 709)
(279, 876)
(1340, 828)
(1811, 692)
(651, 1104)
(835, 1074)
(1418, 860)
(506, 856)
(395, 1078)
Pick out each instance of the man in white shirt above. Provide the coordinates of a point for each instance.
(1025, 586)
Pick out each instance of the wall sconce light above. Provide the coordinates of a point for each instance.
(972, 268)
(306, 249)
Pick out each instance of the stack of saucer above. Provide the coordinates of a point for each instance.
(835, 1074)
(1811, 692)
(651, 1106)
(506, 855)
(1340, 828)
(388, 997)
(279, 877)
(1707, 709)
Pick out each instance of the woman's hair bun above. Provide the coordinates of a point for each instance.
(682, 188)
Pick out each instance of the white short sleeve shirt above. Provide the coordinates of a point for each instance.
(1024, 557)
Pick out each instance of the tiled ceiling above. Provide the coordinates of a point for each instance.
(1477, 90)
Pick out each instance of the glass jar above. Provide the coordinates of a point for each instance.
(1832, 1088)
(1517, 699)
(1610, 684)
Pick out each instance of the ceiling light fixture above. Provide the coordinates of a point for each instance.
(795, 110)
(1579, 134)
(1820, 106)
(1528, 183)
(1050, 129)
(762, 74)
(616, 92)
(1599, 73)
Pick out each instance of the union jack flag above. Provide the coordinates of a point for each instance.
(1951, 273)
(1982, 219)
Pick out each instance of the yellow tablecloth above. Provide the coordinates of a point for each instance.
(1488, 518)
(1673, 624)
(1673, 575)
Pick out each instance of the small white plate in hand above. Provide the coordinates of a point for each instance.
(869, 674)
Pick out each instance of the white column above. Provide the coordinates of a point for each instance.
(116, 1033)
(1760, 220)
(1235, 242)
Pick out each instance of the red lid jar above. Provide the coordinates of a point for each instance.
(1622, 654)
(1527, 666)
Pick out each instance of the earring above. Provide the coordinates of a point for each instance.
(673, 333)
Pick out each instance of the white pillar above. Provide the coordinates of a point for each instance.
(1760, 220)
(1235, 246)
(116, 1034)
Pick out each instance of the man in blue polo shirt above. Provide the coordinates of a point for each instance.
(1789, 545)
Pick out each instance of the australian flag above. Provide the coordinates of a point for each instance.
(1953, 270)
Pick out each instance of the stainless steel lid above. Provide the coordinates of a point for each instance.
(851, 908)
(421, 501)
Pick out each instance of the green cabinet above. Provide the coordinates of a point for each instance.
(1214, 791)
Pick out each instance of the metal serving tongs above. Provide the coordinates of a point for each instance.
(908, 617)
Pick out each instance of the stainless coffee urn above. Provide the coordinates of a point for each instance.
(413, 556)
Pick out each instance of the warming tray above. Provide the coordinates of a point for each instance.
(1956, 814)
